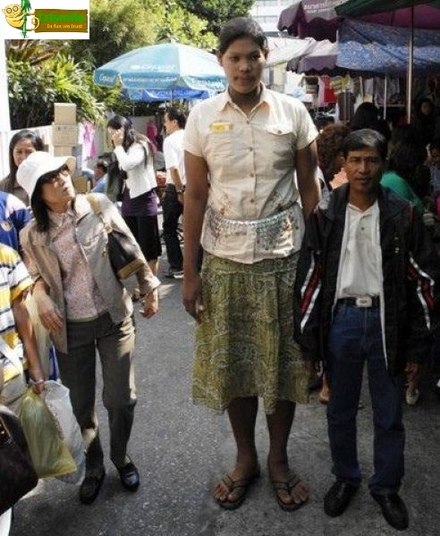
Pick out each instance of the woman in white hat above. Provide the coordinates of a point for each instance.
(84, 306)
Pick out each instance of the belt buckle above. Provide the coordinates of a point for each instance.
(364, 301)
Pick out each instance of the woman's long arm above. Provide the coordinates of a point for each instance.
(196, 195)
(307, 177)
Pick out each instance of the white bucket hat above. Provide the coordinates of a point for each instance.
(37, 164)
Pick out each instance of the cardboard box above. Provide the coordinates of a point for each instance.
(64, 113)
(81, 184)
(66, 135)
(62, 150)
(75, 151)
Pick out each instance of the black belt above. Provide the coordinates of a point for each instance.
(361, 302)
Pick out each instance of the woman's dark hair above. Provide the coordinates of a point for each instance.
(26, 134)
(40, 210)
(365, 138)
(176, 115)
(367, 115)
(130, 134)
(329, 144)
(406, 157)
(238, 28)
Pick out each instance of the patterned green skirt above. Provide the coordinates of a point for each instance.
(244, 344)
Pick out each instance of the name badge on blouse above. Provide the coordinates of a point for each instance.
(220, 127)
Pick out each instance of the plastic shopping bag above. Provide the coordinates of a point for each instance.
(57, 399)
(50, 455)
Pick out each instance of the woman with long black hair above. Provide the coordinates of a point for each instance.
(139, 202)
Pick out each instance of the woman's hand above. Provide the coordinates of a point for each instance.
(117, 137)
(49, 314)
(192, 296)
(151, 304)
(36, 378)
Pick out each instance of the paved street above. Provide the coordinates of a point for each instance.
(181, 449)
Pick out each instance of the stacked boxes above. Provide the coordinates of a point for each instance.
(65, 139)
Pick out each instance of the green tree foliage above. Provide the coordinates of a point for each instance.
(43, 72)
(118, 27)
(33, 89)
(217, 12)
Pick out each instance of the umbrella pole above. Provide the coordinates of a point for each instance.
(385, 96)
(409, 79)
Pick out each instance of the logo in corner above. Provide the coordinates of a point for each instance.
(21, 17)
(64, 23)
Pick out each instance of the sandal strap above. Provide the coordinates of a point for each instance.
(286, 485)
(236, 484)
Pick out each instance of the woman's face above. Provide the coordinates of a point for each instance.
(59, 191)
(243, 62)
(22, 149)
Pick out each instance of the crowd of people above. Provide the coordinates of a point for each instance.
(320, 259)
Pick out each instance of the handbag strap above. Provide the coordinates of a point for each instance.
(11, 354)
(96, 207)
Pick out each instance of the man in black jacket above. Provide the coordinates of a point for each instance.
(364, 294)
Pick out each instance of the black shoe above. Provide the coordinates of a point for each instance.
(338, 498)
(90, 487)
(129, 476)
(393, 510)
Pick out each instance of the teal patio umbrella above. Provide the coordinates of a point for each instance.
(163, 67)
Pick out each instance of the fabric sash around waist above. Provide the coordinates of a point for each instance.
(273, 236)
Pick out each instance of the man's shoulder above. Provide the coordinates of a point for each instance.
(8, 255)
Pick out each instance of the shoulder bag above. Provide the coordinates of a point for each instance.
(17, 474)
(123, 255)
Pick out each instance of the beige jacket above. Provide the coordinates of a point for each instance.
(43, 264)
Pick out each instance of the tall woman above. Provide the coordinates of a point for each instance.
(85, 307)
(22, 144)
(139, 203)
(247, 143)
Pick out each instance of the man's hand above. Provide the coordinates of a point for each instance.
(151, 304)
(117, 137)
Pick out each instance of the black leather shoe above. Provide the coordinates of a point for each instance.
(90, 487)
(393, 510)
(338, 498)
(129, 476)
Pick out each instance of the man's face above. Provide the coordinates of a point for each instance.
(364, 168)
(169, 124)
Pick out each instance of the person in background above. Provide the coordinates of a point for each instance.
(404, 160)
(172, 201)
(100, 172)
(243, 149)
(139, 202)
(85, 307)
(364, 295)
(16, 331)
(330, 159)
(434, 168)
(22, 144)
(425, 119)
(14, 215)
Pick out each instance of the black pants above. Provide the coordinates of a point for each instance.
(172, 210)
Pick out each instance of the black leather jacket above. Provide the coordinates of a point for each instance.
(409, 266)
